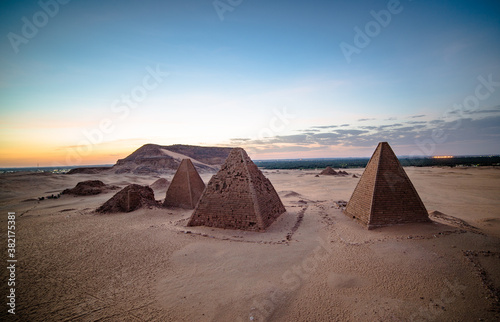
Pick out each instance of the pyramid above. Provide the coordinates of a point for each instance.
(239, 196)
(186, 187)
(329, 171)
(384, 194)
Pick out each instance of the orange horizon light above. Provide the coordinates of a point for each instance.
(442, 157)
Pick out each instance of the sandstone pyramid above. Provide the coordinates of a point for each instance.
(159, 184)
(186, 187)
(384, 194)
(239, 196)
(329, 171)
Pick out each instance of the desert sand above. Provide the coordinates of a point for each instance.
(312, 264)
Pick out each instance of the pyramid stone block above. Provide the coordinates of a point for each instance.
(385, 195)
(239, 196)
(186, 187)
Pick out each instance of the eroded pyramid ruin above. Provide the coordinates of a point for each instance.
(89, 188)
(239, 196)
(186, 187)
(385, 195)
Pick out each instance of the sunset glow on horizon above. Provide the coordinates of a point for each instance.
(91, 82)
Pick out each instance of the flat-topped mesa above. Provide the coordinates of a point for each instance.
(239, 196)
(186, 187)
(163, 159)
(385, 195)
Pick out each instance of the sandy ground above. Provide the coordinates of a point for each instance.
(313, 263)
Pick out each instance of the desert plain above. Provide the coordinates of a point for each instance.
(312, 264)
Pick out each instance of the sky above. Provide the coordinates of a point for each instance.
(89, 82)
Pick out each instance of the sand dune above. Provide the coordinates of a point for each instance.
(313, 263)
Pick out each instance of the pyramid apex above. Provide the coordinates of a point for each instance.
(383, 144)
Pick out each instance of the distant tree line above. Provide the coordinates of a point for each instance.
(340, 163)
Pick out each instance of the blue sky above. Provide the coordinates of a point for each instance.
(271, 76)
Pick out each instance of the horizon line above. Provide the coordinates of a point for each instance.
(260, 160)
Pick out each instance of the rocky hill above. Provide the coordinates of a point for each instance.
(159, 159)
(156, 159)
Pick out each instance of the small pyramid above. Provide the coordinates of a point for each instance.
(159, 184)
(239, 196)
(385, 195)
(329, 171)
(186, 187)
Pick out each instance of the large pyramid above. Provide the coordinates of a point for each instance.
(384, 194)
(186, 187)
(239, 196)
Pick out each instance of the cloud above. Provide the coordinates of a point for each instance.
(351, 132)
(496, 109)
(417, 116)
(274, 148)
(325, 127)
(239, 140)
(436, 121)
(462, 112)
(468, 129)
(309, 131)
(410, 135)
(390, 125)
(366, 119)
(295, 138)
(326, 135)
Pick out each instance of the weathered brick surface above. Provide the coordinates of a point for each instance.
(384, 194)
(186, 187)
(239, 196)
(129, 199)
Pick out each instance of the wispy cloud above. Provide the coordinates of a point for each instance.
(493, 110)
(390, 125)
(325, 127)
(461, 131)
